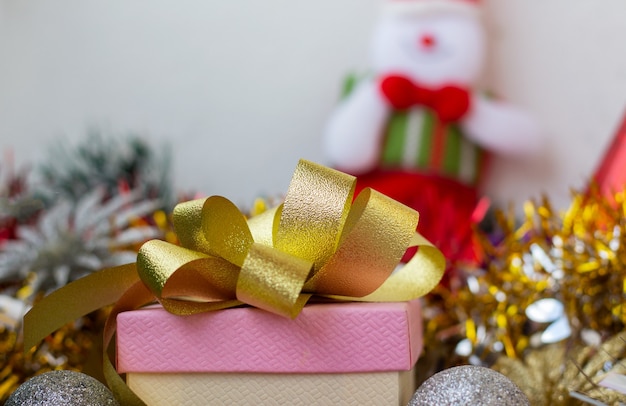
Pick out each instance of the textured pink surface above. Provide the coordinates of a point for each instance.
(329, 337)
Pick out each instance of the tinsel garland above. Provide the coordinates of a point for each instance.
(546, 308)
(90, 213)
(567, 372)
(74, 347)
(548, 303)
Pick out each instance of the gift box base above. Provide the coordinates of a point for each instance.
(358, 389)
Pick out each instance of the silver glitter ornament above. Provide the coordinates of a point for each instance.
(468, 385)
(62, 388)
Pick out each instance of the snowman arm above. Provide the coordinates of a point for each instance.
(351, 139)
(501, 128)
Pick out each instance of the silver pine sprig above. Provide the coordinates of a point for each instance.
(72, 239)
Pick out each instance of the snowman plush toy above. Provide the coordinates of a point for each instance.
(418, 129)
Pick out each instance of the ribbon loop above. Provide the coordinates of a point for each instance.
(416, 278)
(157, 260)
(376, 235)
(272, 280)
(186, 217)
(206, 279)
(315, 209)
(226, 230)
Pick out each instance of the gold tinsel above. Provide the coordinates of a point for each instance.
(577, 258)
(76, 347)
(558, 374)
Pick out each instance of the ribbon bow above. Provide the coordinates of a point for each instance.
(317, 242)
(450, 103)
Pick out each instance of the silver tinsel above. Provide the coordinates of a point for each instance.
(72, 239)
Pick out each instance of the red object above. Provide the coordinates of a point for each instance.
(427, 41)
(450, 102)
(439, 143)
(448, 209)
(8, 229)
(611, 173)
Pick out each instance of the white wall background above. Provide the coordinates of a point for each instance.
(241, 89)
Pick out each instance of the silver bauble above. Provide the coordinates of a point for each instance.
(62, 388)
(468, 385)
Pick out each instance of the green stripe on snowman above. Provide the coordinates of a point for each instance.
(420, 109)
(409, 143)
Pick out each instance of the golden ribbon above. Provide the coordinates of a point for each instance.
(319, 241)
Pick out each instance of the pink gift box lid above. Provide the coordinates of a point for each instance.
(325, 337)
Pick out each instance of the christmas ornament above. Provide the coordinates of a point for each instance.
(419, 126)
(468, 385)
(62, 388)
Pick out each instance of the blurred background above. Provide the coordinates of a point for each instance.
(240, 90)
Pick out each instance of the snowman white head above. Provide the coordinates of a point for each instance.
(427, 60)
(433, 42)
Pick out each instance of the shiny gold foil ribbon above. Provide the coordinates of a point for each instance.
(318, 242)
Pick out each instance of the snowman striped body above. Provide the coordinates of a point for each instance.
(416, 140)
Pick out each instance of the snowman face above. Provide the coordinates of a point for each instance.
(434, 49)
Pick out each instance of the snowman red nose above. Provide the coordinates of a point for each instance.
(427, 41)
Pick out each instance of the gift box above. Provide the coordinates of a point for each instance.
(332, 353)
(320, 244)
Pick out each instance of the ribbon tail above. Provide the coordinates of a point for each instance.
(124, 395)
(133, 298)
(75, 300)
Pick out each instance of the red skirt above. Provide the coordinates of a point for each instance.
(448, 208)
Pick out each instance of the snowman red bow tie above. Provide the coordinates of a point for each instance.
(450, 103)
